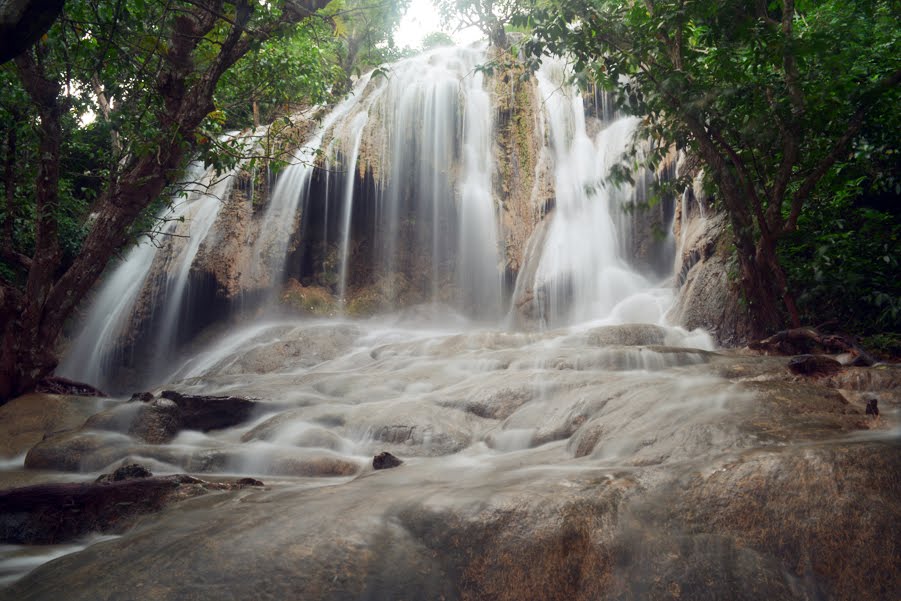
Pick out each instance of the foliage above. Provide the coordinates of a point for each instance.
(843, 261)
(298, 68)
(436, 39)
(772, 96)
(488, 16)
(366, 28)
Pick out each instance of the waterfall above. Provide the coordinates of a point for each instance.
(583, 273)
(414, 215)
(98, 346)
(396, 199)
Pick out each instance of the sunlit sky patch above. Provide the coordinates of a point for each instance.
(421, 19)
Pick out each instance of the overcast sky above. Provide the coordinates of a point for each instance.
(422, 19)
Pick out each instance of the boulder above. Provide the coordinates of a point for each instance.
(813, 365)
(77, 451)
(207, 413)
(385, 460)
(28, 419)
(157, 422)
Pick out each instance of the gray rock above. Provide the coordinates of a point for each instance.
(157, 422)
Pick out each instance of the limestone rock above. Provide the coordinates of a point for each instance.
(77, 451)
(157, 422)
(56, 513)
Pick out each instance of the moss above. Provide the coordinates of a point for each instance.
(313, 300)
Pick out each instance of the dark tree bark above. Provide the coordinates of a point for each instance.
(23, 22)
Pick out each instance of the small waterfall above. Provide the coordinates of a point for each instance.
(99, 345)
(280, 219)
(582, 274)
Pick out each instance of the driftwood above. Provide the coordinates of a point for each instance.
(802, 341)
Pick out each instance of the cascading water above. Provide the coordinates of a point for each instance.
(394, 201)
(97, 348)
(415, 210)
(582, 274)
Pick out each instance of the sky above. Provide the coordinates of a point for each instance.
(422, 19)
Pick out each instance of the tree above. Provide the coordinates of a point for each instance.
(772, 96)
(488, 16)
(149, 69)
(366, 28)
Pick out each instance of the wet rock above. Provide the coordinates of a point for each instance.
(310, 465)
(126, 472)
(118, 418)
(290, 427)
(56, 513)
(77, 451)
(207, 413)
(249, 482)
(157, 422)
(28, 419)
(873, 407)
(628, 335)
(143, 397)
(499, 404)
(385, 460)
(708, 297)
(813, 365)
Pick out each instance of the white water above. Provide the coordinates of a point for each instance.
(94, 351)
(280, 219)
(581, 272)
(424, 133)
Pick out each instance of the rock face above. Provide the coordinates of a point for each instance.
(708, 296)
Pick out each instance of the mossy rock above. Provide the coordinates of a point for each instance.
(313, 300)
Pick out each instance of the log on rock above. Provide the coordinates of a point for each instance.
(210, 412)
(55, 513)
(58, 385)
(803, 341)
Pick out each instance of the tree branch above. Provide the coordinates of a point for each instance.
(854, 126)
